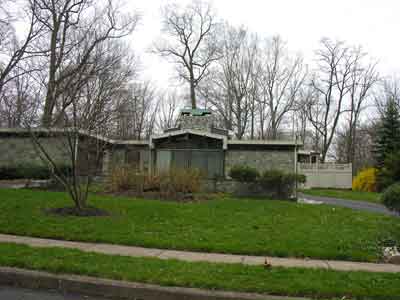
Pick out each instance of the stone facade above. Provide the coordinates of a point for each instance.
(208, 151)
(261, 160)
(17, 150)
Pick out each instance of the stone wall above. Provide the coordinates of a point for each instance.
(203, 123)
(261, 160)
(243, 189)
(16, 150)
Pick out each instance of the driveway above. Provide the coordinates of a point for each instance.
(357, 205)
(13, 293)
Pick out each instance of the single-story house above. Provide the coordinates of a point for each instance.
(195, 143)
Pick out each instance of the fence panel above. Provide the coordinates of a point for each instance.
(327, 175)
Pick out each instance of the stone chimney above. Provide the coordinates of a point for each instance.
(197, 119)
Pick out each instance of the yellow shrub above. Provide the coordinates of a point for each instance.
(365, 181)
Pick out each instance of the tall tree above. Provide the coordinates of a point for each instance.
(363, 77)
(280, 79)
(190, 42)
(331, 83)
(13, 47)
(230, 89)
(73, 30)
(136, 111)
(388, 134)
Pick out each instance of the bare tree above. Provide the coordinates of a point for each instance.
(73, 30)
(168, 107)
(389, 88)
(101, 88)
(136, 112)
(331, 82)
(190, 42)
(363, 146)
(20, 101)
(230, 91)
(363, 77)
(280, 80)
(13, 48)
(83, 156)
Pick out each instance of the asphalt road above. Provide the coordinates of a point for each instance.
(12, 293)
(357, 205)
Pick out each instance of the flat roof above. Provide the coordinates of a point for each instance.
(308, 152)
(155, 137)
(265, 142)
(80, 131)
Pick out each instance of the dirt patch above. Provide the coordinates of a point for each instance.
(73, 211)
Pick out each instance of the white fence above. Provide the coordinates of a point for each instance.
(327, 175)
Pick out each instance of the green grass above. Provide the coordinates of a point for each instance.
(345, 194)
(235, 277)
(275, 228)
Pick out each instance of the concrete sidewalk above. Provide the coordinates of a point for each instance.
(198, 256)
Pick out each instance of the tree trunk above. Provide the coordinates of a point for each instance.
(192, 94)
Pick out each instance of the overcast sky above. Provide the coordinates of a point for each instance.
(371, 23)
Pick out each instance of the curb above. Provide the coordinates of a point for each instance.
(91, 286)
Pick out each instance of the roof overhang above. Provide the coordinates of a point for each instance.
(81, 132)
(265, 143)
(308, 152)
(190, 131)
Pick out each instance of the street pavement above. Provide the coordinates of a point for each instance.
(13, 293)
(357, 205)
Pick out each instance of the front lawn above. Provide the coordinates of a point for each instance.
(275, 228)
(316, 283)
(344, 194)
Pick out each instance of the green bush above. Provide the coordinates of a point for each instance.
(279, 183)
(391, 197)
(244, 173)
(27, 171)
(390, 172)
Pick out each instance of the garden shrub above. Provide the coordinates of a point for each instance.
(280, 184)
(124, 178)
(184, 181)
(170, 183)
(244, 173)
(391, 197)
(365, 181)
(390, 172)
